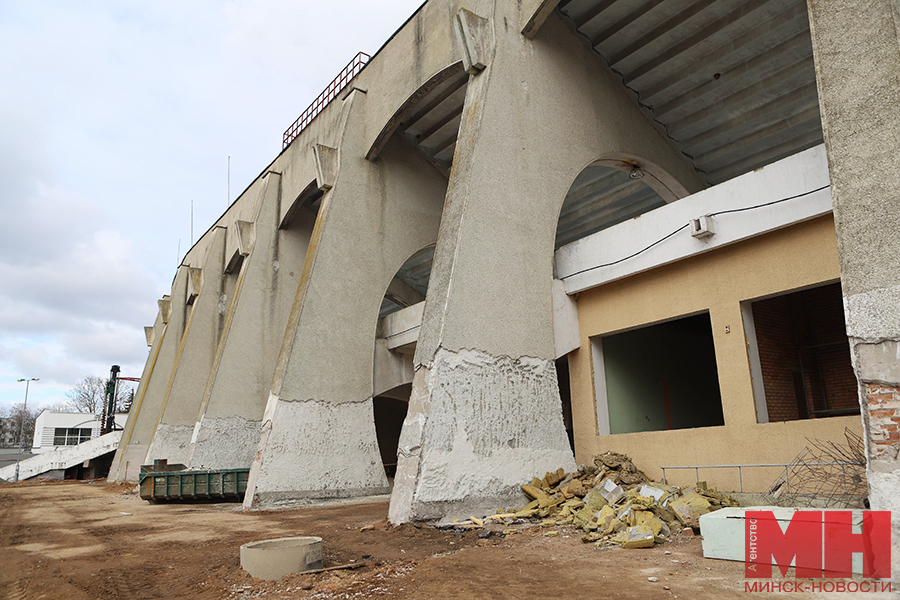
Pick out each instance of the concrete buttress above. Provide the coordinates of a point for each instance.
(318, 438)
(140, 427)
(857, 54)
(253, 320)
(195, 355)
(485, 412)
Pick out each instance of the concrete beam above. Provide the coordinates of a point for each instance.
(595, 260)
(534, 13)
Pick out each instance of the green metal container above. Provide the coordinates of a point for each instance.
(221, 484)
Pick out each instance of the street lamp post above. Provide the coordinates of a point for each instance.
(22, 424)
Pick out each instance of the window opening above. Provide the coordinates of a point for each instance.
(658, 377)
(70, 436)
(804, 355)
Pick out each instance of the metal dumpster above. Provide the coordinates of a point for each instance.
(221, 484)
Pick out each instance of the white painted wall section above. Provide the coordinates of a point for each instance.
(596, 259)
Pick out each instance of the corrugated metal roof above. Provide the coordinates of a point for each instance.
(731, 83)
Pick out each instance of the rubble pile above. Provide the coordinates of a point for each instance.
(614, 502)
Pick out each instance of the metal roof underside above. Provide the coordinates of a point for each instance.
(730, 83)
(433, 125)
(599, 198)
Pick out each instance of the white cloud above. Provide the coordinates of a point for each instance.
(114, 118)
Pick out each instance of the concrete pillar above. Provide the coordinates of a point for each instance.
(318, 438)
(178, 414)
(144, 414)
(253, 316)
(856, 48)
(485, 413)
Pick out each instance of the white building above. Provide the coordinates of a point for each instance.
(53, 430)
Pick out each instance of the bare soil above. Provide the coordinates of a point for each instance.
(89, 540)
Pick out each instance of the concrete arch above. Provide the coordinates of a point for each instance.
(654, 176)
(430, 90)
(487, 337)
(370, 221)
(399, 322)
(617, 186)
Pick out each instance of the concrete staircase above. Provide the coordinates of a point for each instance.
(63, 458)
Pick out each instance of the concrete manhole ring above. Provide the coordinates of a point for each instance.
(273, 559)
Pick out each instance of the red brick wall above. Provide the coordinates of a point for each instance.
(804, 328)
(884, 418)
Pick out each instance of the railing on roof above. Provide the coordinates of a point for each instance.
(334, 88)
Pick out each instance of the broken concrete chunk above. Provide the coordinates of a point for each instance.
(610, 491)
(648, 491)
(647, 521)
(634, 537)
(604, 517)
(533, 492)
(594, 499)
(689, 507)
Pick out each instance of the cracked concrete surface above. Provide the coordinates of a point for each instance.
(477, 426)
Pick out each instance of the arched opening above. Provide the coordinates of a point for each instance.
(409, 285)
(396, 334)
(611, 190)
(390, 411)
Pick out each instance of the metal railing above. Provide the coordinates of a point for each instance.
(785, 466)
(334, 88)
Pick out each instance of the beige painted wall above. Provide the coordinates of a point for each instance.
(785, 260)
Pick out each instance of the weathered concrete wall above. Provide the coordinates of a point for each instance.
(856, 48)
(538, 113)
(195, 355)
(389, 209)
(144, 415)
(227, 430)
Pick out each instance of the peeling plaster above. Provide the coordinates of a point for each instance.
(476, 428)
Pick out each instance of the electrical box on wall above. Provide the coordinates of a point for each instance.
(702, 227)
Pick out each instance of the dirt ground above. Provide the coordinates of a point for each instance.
(90, 540)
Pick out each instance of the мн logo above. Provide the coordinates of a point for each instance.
(819, 543)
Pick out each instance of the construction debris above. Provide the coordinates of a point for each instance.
(824, 474)
(612, 501)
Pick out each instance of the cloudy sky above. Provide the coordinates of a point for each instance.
(114, 118)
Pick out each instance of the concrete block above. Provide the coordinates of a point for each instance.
(634, 537)
(326, 159)
(473, 33)
(723, 531)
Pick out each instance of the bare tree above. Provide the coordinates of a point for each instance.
(89, 396)
(12, 425)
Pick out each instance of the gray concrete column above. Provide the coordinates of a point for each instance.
(857, 54)
(485, 413)
(178, 414)
(144, 414)
(253, 320)
(318, 438)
